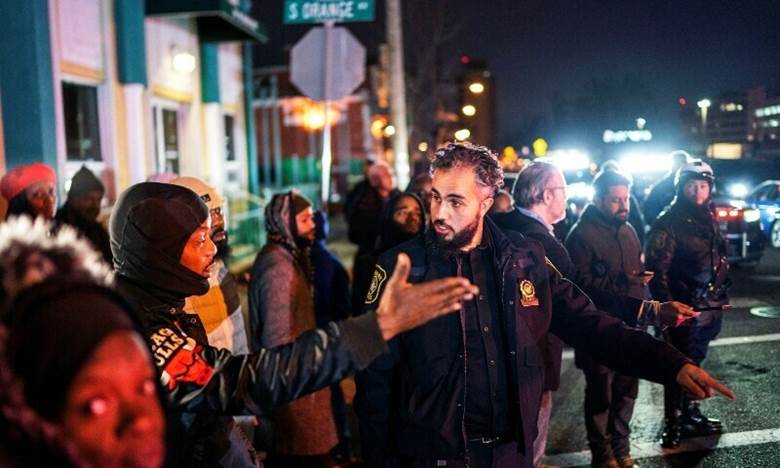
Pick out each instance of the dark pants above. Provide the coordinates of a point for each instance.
(693, 342)
(609, 404)
(502, 455)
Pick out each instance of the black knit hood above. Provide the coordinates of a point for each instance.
(149, 227)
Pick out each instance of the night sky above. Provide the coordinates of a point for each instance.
(537, 48)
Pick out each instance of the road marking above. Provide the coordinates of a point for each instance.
(654, 449)
(733, 340)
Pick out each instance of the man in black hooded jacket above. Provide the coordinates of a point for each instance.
(162, 254)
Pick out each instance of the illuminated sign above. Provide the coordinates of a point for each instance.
(622, 136)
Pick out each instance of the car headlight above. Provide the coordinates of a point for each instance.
(751, 216)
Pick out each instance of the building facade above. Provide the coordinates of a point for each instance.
(130, 88)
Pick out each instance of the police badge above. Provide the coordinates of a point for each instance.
(380, 275)
(527, 294)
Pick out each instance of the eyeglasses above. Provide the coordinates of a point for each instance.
(556, 188)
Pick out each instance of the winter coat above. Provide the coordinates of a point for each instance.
(410, 401)
(93, 231)
(220, 311)
(688, 254)
(205, 385)
(282, 308)
(531, 228)
(608, 263)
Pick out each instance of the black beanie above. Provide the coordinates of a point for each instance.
(54, 329)
(85, 181)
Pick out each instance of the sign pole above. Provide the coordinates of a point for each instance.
(326, 146)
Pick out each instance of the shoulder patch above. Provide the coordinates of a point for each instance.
(380, 275)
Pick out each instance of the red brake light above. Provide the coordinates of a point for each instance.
(728, 213)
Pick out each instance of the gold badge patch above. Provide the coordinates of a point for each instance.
(380, 275)
(527, 294)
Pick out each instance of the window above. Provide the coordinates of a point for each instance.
(82, 127)
(230, 144)
(166, 125)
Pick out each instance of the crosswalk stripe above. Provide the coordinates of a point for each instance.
(732, 340)
(654, 449)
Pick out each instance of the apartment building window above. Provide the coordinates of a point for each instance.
(166, 131)
(82, 126)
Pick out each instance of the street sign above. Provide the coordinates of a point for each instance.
(319, 11)
(345, 67)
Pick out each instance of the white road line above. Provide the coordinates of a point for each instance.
(653, 449)
(745, 339)
(733, 340)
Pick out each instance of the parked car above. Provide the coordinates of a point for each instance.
(766, 198)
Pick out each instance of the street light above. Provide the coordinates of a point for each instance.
(704, 105)
(476, 87)
(423, 146)
(469, 110)
(389, 131)
(462, 134)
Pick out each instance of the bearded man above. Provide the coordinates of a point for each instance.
(465, 390)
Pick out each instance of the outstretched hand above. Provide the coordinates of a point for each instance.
(404, 306)
(674, 314)
(700, 384)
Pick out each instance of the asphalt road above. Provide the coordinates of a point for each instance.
(745, 357)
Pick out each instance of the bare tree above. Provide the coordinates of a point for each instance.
(429, 26)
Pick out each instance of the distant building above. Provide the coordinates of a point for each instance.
(289, 135)
(718, 127)
(766, 129)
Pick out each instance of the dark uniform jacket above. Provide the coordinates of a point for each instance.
(688, 254)
(205, 385)
(410, 401)
(608, 262)
(552, 347)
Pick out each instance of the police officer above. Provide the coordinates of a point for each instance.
(686, 251)
(465, 390)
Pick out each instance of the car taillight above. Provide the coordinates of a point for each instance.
(727, 213)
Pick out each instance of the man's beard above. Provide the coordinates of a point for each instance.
(618, 219)
(452, 247)
(304, 242)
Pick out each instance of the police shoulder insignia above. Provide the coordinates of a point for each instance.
(380, 275)
(527, 294)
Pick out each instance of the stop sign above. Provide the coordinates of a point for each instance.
(346, 63)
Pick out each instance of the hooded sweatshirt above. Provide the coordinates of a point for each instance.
(150, 226)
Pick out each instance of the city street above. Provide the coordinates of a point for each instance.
(744, 357)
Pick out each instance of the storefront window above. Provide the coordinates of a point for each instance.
(230, 146)
(82, 127)
(166, 124)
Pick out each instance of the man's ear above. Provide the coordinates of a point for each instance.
(547, 196)
(486, 204)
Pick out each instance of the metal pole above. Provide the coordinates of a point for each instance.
(326, 153)
(398, 92)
